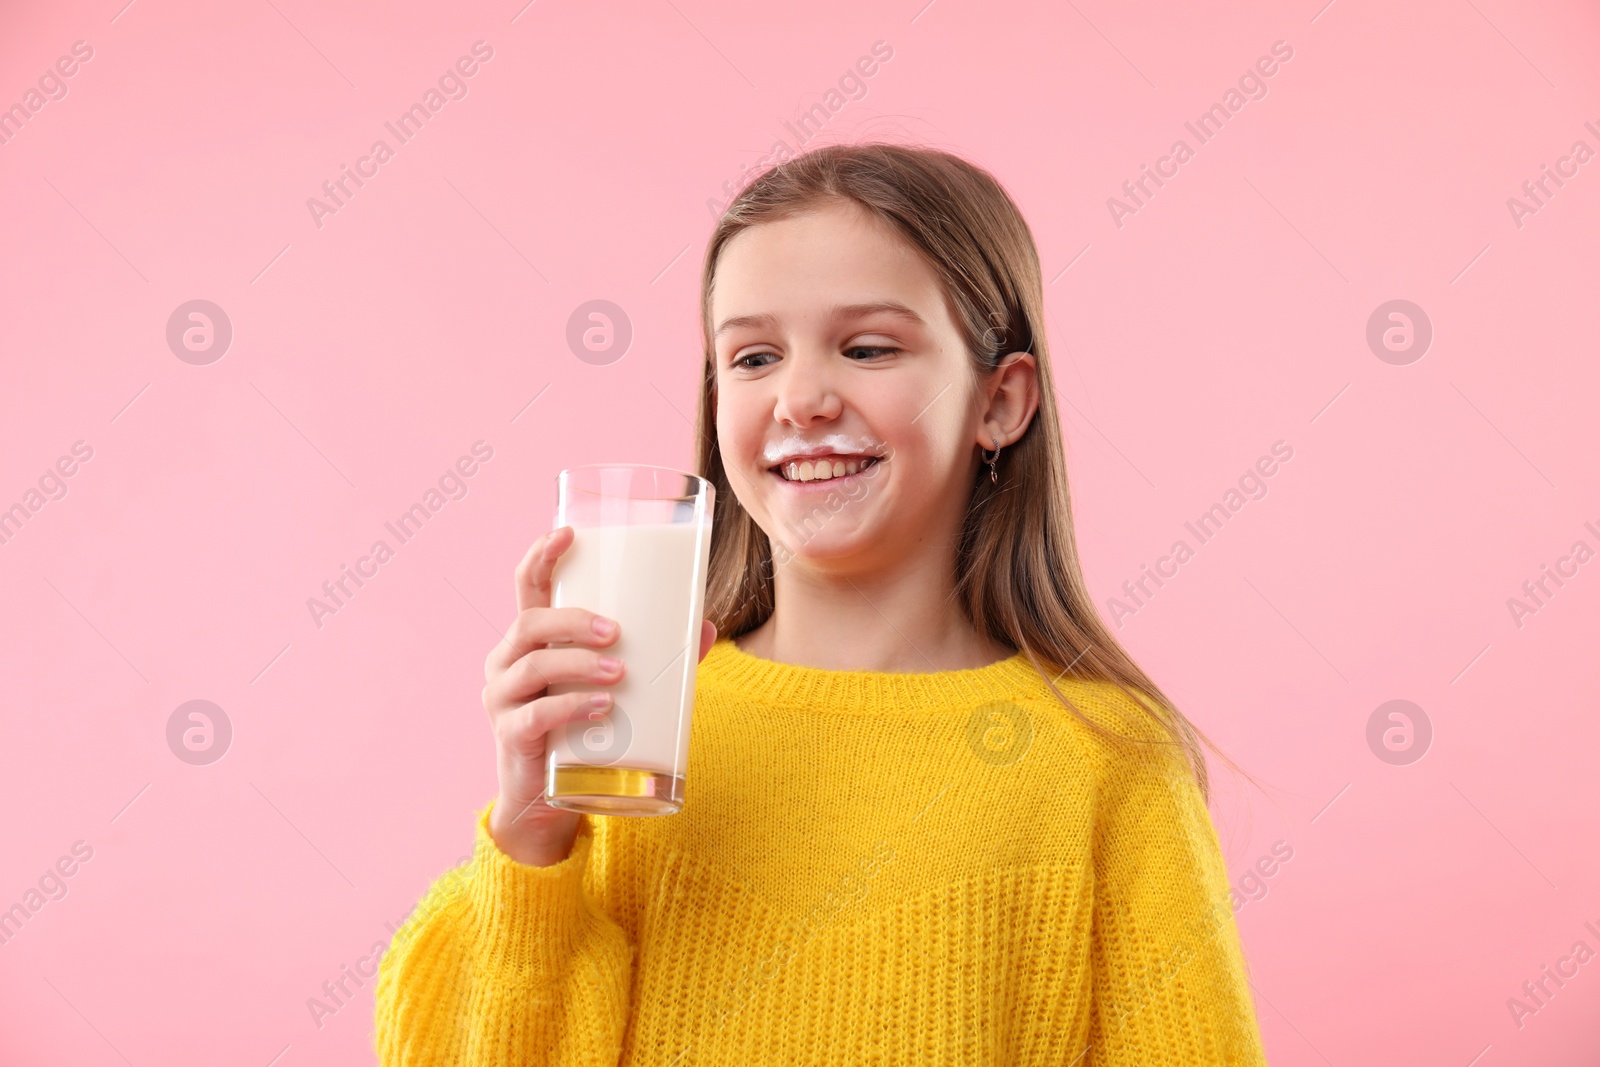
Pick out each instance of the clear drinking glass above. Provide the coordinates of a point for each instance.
(639, 555)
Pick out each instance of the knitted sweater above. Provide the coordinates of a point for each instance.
(889, 868)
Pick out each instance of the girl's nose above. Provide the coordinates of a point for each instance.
(806, 391)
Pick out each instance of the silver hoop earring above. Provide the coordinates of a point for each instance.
(990, 460)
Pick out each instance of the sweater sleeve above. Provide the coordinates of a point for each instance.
(504, 963)
(1168, 969)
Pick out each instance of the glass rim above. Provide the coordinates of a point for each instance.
(705, 485)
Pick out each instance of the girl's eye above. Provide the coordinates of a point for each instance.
(871, 350)
(741, 361)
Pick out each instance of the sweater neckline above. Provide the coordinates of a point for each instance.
(861, 691)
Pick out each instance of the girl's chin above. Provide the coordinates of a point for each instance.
(822, 558)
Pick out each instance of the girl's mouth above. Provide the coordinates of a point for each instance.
(823, 469)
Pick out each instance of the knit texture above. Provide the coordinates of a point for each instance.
(869, 868)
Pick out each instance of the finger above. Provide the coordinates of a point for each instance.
(544, 667)
(523, 731)
(538, 627)
(533, 573)
(708, 637)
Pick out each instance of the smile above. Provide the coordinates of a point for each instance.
(823, 469)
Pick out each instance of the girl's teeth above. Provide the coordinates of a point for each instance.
(820, 470)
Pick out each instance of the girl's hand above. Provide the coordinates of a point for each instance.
(518, 671)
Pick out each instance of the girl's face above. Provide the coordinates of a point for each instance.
(837, 352)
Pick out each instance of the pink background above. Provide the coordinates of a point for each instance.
(369, 354)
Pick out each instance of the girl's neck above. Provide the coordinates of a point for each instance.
(897, 619)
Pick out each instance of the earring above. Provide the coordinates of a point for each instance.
(990, 460)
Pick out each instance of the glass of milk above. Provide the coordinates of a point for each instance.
(639, 555)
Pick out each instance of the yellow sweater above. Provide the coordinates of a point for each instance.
(929, 869)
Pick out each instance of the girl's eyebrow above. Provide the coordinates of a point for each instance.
(767, 320)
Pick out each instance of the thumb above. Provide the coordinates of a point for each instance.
(708, 637)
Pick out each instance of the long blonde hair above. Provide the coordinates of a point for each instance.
(1018, 578)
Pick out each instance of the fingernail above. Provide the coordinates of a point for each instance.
(600, 700)
(609, 665)
(604, 627)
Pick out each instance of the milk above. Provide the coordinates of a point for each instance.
(650, 578)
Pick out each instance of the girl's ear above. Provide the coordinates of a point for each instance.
(1011, 397)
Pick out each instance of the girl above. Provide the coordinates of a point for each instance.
(937, 815)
